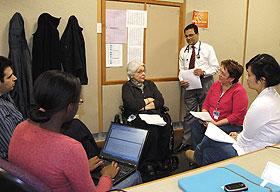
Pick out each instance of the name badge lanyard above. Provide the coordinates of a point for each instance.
(216, 113)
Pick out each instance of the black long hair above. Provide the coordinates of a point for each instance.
(53, 90)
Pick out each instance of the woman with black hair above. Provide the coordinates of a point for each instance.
(38, 147)
(261, 125)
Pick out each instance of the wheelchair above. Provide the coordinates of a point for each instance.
(173, 160)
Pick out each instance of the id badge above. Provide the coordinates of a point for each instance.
(216, 114)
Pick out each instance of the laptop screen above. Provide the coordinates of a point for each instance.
(125, 142)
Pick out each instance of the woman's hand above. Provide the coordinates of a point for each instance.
(110, 170)
(94, 162)
(234, 135)
(149, 100)
(213, 122)
(204, 123)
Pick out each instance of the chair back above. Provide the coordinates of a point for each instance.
(13, 178)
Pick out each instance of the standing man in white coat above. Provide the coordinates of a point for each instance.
(202, 58)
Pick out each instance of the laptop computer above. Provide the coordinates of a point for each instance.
(124, 145)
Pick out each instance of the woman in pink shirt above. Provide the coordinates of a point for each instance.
(38, 147)
(226, 102)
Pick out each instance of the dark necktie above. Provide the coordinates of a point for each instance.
(192, 61)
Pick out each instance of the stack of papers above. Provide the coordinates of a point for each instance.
(153, 119)
(194, 80)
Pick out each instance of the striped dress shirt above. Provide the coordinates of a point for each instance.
(10, 117)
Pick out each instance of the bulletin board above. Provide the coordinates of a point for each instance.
(163, 39)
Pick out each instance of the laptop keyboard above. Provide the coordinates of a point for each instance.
(122, 171)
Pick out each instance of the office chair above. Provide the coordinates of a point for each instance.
(13, 178)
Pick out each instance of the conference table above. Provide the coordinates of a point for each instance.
(254, 162)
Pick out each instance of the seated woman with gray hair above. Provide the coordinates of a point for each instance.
(142, 96)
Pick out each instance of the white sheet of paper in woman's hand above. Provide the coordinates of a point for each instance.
(194, 80)
(152, 119)
(216, 134)
(204, 116)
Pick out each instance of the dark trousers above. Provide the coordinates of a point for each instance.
(193, 100)
(198, 131)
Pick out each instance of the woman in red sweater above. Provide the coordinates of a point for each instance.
(226, 102)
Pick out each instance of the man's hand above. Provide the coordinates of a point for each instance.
(198, 72)
(94, 162)
(184, 84)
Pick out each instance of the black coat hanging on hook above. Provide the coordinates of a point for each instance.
(20, 56)
(72, 45)
(45, 51)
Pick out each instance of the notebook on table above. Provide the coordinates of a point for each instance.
(215, 179)
(124, 145)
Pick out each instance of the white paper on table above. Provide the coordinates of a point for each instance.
(153, 119)
(271, 173)
(216, 134)
(194, 80)
(204, 116)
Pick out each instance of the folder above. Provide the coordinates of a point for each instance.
(215, 179)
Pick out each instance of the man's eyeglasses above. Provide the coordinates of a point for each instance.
(190, 35)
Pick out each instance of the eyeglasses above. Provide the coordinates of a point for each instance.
(190, 35)
(141, 71)
(80, 102)
(223, 73)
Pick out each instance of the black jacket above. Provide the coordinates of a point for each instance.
(72, 45)
(45, 51)
(133, 98)
(157, 143)
(21, 59)
(77, 130)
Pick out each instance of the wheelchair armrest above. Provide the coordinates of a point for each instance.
(164, 109)
(121, 107)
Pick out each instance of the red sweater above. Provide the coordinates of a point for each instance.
(57, 160)
(233, 104)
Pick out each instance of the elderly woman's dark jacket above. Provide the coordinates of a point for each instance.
(133, 97)
(156, 147)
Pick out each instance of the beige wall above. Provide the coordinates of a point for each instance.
(263, 33)
(226, 33)
(226, 26)
(86, 13)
